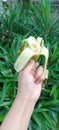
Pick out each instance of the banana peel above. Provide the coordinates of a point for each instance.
(31, 48)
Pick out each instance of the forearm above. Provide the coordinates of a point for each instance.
(19, 114)
(27, 112)
(26, 115)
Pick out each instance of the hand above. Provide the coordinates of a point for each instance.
(30, 80)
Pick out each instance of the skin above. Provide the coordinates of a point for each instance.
(30, 82)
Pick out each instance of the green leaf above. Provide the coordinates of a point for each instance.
(54, 89)
(49, 120)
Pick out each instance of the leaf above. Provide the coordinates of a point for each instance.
(54, 89)
(3, 104)
(49, 120)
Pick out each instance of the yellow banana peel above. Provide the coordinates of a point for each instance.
(31, 48)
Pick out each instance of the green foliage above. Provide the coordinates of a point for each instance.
(16, 24)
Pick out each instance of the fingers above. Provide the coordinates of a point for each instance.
(29, 66)
(40, 75)
(35, 68)
(37, 72)
(41, 79)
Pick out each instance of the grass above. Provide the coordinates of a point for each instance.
(17, 23)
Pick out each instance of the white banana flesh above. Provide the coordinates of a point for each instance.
(31, 49)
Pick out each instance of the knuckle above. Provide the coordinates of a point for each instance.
(41, 68)
(40, 71)
(43, 77)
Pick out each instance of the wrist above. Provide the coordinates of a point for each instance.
(26, 97)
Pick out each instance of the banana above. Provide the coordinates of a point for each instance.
(31, 48)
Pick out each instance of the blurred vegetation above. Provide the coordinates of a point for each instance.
(18, 22)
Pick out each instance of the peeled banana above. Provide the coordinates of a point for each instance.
(31, 48)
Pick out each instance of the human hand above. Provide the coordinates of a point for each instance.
(31, 79)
